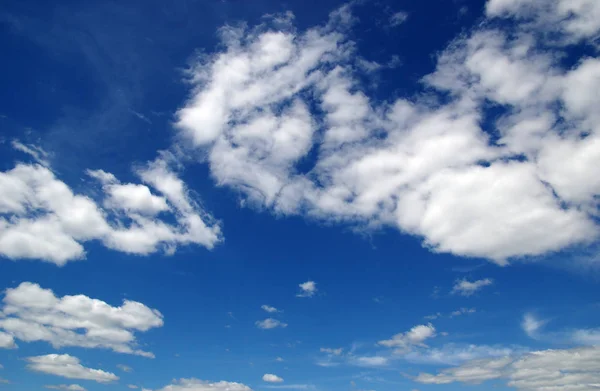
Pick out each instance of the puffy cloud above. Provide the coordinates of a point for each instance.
(66, 387)
(434, 170)
(307, 289)
(270, 378)
(68, 367)
(31, 313)
(7, 341)
(42, 218)
(546, 370)
(465, 287)
(416, 336)
(270, 323)
(201, 385)
(269, 309)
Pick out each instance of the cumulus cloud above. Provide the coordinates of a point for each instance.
(7, 341)
(465, 287)
(31, 313)
(416, 336)
(307, 289)
(68, 367)
(202, 385)
(546, 370)
(269, 309)
(42, 218)
(522, 186)
(270, 378)
(270, 323)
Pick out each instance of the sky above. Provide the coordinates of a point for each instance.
(304, 195)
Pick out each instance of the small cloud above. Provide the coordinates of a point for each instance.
(268, 308)
(279, 359)
(124, 368)
(398, 18)
(467, 288)
(270, 378)
(335, 352)
(37, 153)
(370, 361)
(531, 325)
(270, 323)
(141, 116)
(307, 289)
(132, 386)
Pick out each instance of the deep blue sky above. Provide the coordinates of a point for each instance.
(97, 85)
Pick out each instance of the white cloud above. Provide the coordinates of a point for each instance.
(124, 368)
(533, 327)
(37, 153)
(465, 287)
(270, 323)
(369, 361)
(279, 359)
(307, 289)
(202, 385)
(31, 313)
(430, 170)
(42, 218)
(416, 336)
(291, 387)
(132, 386)
(270, 378)
(546, 370)
(66, 387)
(269, 309)
(7, 341)
(335, 352)
(456, 354)
(462, 311)
(68, 367)
(398, 18)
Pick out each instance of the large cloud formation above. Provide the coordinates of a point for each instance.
(276, 100)
(42, 218)
(31, 313)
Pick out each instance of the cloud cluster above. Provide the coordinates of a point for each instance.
(31, 313)
(546, 370)
(68, 367)
(404, 342)
(42, 218)
(284, 121)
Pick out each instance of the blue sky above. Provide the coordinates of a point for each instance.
(306, 195)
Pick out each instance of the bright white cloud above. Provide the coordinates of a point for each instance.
(415, 337)
(42, 218)
(66, 387)
(269, 309)
(307, 289)
(202, 385)
(465, 287)
(546, 370)
(31, 313)
(270, 378)
(426, 169)
(270, 323)
(68, 367)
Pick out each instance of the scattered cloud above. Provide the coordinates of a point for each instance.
(66, 387)
(41, 218)
(465, 287)
(453, 314)
(202, 385)
(31, 313)
(291, 386)
(132, 386)
(36, 152)
(269, 309)
(369, 361)
(307, 289)
(125, 368)
(335, 352)
(270, 378)
(270, 323)
(68, 367)
(545, 370)
(416, 336)
(279, 359)
(398, 18)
